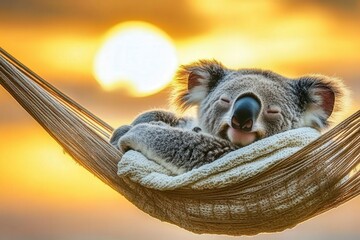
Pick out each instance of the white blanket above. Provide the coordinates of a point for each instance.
(235, 166)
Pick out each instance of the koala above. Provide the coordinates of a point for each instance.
(234, 108)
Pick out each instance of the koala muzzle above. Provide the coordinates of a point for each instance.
(246, 109)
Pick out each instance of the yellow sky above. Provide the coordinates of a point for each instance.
(45, 195)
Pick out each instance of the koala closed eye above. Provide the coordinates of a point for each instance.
(272, 112)
(224, 101)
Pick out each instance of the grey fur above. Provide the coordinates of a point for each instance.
(181, 144)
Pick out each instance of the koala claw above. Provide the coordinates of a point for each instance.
(196, 129)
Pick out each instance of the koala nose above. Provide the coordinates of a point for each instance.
(246, 109)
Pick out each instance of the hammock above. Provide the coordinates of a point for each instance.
(314, 179)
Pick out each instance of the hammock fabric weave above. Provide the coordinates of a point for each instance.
(316, 178)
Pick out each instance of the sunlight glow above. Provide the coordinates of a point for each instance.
(42, 167)
(138, 56)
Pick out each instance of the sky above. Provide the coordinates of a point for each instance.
(46, 195)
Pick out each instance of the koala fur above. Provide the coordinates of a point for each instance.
(181, 144)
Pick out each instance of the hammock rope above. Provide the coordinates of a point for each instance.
(330, 164)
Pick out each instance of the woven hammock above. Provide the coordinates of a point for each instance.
(317, 178)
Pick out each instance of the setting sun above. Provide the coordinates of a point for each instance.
(137, 56)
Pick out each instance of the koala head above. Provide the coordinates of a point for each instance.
(249, 104)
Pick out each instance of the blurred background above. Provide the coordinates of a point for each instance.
(116, 58)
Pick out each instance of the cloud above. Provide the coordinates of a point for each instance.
(176, 18)
(343, 8)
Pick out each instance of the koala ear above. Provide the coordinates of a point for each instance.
(194, 81)
(319, 97)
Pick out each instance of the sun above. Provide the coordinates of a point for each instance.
(137, 56)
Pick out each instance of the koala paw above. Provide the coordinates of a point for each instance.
(117, 134)
(133, 138)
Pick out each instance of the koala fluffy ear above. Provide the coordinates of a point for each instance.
(194, 81)
(319, 98)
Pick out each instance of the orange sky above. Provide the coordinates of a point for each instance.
(45, 195)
